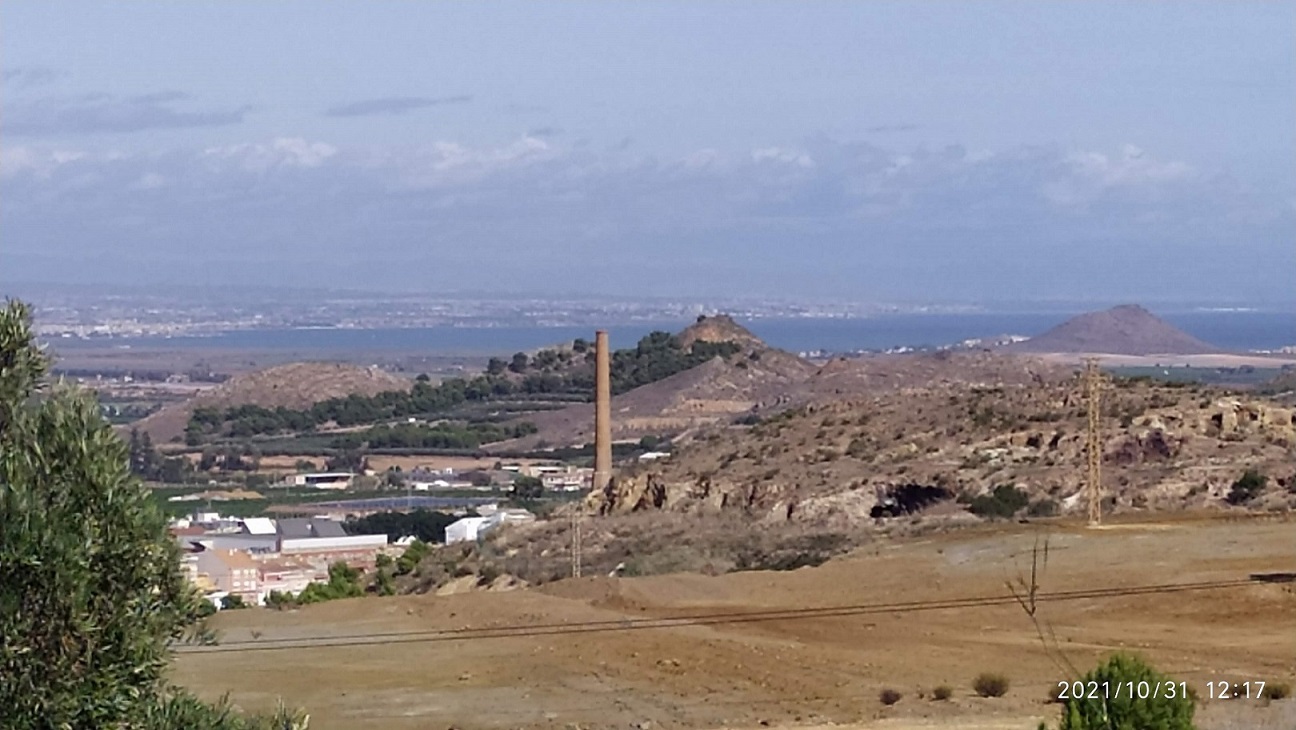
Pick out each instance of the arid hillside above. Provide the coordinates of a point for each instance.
(761, 380)
(833, 463)
(1125, 330)
(756, 376)
(295, 385)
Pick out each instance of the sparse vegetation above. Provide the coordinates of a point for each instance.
(942, 693)
(990, 684)
(889, 696)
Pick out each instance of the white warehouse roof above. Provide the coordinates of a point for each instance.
(259, 526)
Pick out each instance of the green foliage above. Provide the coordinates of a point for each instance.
(146, 463)
(1112, 709)
(551, 373)
(91, 590)
(384, 584)
(990, 684)
(425, 525)
(413, 555)
(1247, 487)
(527, 488)
(1004, 502)
(232, 601)
(349, 460)
(179, 710)
(659, 355)
(279, 600)
(440, 436)
(343, 582)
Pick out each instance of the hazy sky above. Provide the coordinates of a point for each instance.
(864, 150)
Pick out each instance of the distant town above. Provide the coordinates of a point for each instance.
(151, 315)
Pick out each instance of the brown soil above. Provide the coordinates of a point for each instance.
(793, 672)
(720, 391)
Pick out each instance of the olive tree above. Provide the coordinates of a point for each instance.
(92, 594)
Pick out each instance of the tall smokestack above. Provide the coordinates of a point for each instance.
(602, 411)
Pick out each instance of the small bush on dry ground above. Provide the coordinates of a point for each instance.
(990, 684)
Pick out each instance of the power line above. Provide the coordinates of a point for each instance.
(729, 617)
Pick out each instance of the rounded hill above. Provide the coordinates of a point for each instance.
(1125, 330)
(294, 385)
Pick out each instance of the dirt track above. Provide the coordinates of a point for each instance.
(809, 671)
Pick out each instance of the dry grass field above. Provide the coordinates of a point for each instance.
(463, 661)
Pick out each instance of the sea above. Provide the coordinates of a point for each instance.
(1231, 330)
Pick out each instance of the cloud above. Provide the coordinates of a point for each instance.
(892, 128)
(392, 105)
(23, 76)
(544, 131)
(96, 113)
(819, 216)
(282, 152)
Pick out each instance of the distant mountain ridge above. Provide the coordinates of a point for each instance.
(1128, 329)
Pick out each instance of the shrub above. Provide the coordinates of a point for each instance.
(232, 601)
(1042, 508)
(1247, 487)
(1276, 691)
(889, 696)
(943, 692)
(989, 684)
(1004, 502)
(1120, 710)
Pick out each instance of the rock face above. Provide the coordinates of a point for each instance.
(1125, 330)
(832, 463)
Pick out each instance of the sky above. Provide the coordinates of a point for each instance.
(874, 151)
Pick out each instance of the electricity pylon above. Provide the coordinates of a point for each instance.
(576, 540)
(1093, 445)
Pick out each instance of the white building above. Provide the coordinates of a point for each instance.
(471, 528)
(464, 530)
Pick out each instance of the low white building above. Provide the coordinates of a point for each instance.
(471, 528)
(467, 529)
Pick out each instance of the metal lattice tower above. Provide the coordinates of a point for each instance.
(1093, 445)
(576, 541)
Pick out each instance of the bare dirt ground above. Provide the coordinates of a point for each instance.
(805, 671)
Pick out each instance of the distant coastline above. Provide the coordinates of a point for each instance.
(1237, 330)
